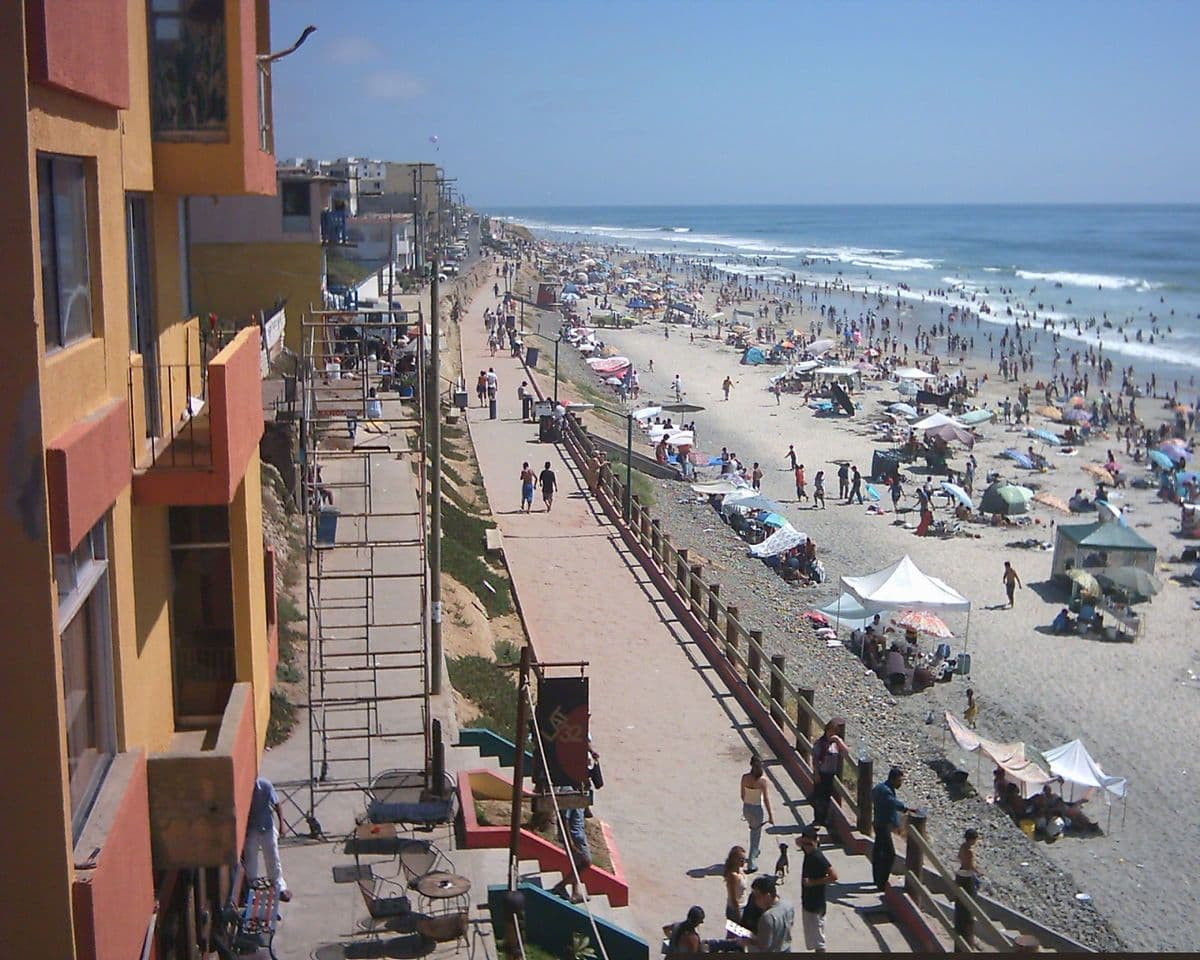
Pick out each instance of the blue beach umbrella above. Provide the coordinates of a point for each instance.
(1017, 457)
(906, 409)
(972, 417)
(958, 493)
(1160, 460)
(1046, 437)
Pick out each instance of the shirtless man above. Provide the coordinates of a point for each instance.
(1011, 581)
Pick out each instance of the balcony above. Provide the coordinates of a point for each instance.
(112, 893)
(210, 99)
(195, 423)
(200, 789)
(333, 227)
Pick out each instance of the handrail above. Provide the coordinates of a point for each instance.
(954, 890)
(912, 882)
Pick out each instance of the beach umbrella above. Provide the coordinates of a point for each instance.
(1160, 460)
(1051, 501)
(1132, 581)
(958, 493)
(773, 520)
(805, 365)
(1046, 437)
(1098, 472)
(906, 409)
(923, 621)
(753, 502)
(1077, 416)
(818, 347)
(1050, 413)
(1088, 585)
(682, 407)
(646, 413)
(613, 381)
(907, 388)
(973, 417)
(1017, 457)
(1006, 499)
(1076, 401)
(1108, 513)
(1175, 449)
(951, 433)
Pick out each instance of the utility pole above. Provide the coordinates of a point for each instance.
(432, 395)
(391, 261)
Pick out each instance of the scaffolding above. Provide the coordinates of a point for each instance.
(366, 570)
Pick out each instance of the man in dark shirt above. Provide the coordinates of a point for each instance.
(549, 484)
(815, 875)
(887, 809)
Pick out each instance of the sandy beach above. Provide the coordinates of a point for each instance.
(1133, 704)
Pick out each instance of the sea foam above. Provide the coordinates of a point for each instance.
(1089, 280)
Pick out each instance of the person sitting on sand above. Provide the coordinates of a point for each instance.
(1064, 622)
(1047, 805)
(1013, 803)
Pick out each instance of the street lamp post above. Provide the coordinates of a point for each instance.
(627, 506)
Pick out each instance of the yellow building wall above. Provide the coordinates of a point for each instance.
(135, 122)
(235, 280)
(249, 594)
(142, 591)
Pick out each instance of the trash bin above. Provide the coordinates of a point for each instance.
(460, 400)
(531, 356)
(327, 520)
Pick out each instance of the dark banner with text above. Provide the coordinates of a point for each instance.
(562, 720)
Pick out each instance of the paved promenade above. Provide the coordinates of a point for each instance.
(673, 741)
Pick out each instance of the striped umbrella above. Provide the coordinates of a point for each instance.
(924, 622)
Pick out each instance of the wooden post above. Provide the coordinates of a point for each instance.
(914, 856)
(731, 632)
(1025, 943)
(804, 722)
(656, 541)
(665, 550)
(518, 767)
(645, 527)
(777, 662)
(865, 772)
(714, 591)
(681, 570)
(695, 585)
(754, 658)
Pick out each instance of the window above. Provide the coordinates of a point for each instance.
(184, 221)
(62, 220)
(85, 635)
(188, 69)
(295, 199)
(202, 616)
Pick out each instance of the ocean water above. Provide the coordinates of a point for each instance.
(1124, 268)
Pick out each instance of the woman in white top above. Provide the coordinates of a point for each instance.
(735, 884)
(756, 800)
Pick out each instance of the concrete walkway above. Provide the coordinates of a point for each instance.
(673, 741)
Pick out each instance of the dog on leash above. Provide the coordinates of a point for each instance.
(781, 865)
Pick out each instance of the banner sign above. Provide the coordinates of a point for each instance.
(562, 721)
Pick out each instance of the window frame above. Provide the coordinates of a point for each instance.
(57, 333)
(82, 579)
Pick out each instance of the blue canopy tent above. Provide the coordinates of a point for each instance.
(638, 303)
(753, 356)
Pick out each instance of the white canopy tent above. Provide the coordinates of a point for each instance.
(935, 420)
(1081, 774)
(721, 487)
(911, 373)
(781, 540)
(904, 585)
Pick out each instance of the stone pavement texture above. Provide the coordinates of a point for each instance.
(673, 741)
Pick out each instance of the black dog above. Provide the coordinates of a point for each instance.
(781, 865)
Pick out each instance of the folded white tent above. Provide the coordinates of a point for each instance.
(1081, 774)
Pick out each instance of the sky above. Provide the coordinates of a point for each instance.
(544, 103)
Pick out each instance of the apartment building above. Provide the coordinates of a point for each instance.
(138, 597)
(252, 256)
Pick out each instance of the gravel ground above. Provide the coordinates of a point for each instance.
(893, 729)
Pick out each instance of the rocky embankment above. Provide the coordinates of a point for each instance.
(893, 729)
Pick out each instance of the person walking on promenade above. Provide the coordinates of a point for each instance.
(727, 386)
(791, 457)
(801, 493)
(526, 488)
(967, 877)
(549, 484)
(773, 934)
(829, 750)
(756, 801)
(735, 883)
(526, 399)
(887, 809)
(816, 873)
(855, 486)
(843, 476)
(677, 388)
(819, 489)
(481, 387)
(575, 841)
(1011, 581)
(756, 476)
(263, 826)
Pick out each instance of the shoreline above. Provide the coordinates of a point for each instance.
(1032, 687)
